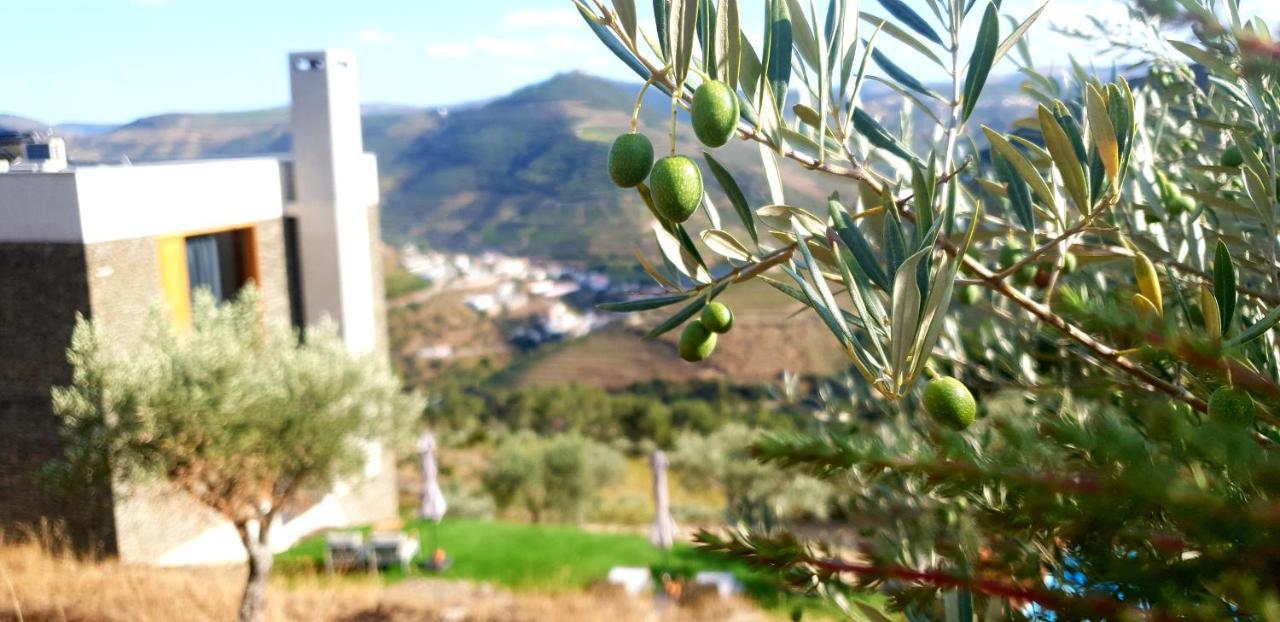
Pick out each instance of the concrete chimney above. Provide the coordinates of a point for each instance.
(336, 197)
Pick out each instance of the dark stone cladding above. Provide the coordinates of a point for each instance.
(43, 286)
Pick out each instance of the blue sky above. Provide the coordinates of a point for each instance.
(116, 60)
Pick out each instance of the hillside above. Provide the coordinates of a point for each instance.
(524, 174)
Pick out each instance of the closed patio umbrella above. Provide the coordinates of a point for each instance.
(663, 532)
(433, 505)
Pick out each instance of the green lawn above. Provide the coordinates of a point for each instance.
(546, 558)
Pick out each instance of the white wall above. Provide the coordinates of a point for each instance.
(105, 203)
(121, 202)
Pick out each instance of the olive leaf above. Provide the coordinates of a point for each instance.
(906, 15)
(1064, 158)
(1017, 191)
(1224, 285)
(906, 314)
(983, 56)
(1258, 329)
(1016, 36)
(610, 41)
(857, 244)
(626, 10)
(902, 77)
(880, 137)
(725, 244)
(643, 304)
(1103, 133)
(661, 17)
(806, 42)
(777, 51)
(682, 25)
(728, 44)
(734, 192)
(687, 312)
(901, 35)
(1020, 164)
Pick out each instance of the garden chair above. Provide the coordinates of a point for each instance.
(387, 549)
(344, 550)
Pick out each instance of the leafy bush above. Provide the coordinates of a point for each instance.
(752, 491)
(556, 476)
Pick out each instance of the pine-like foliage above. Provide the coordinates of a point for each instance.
(1102, 273)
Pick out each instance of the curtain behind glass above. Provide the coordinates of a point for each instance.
(204, 270)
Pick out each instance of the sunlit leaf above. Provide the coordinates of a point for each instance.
(1103, 133)
(880, 137)
(626, 10)
(735, 195)
(643, 304)
(725, 244)
(1064, 158)
(1224, 286)
(984, 53)
(911, 19)
(897, 33)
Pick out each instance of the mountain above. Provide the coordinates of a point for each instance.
(525, 173)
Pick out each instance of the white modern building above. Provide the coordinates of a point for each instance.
(115, 242)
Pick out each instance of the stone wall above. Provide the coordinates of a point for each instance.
(43, 286)
(379, 284)
(126, 292)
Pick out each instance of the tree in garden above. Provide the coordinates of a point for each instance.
(248, 419)
(1061, 327)
(558, 475)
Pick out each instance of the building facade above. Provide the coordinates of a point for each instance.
(119, 244)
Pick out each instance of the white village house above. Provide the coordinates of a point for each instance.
(115, 242)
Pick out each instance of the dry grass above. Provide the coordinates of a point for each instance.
(38, 585)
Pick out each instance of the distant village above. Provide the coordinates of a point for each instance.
(548, 302)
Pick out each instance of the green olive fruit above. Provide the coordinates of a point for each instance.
(696, 342)
(1010, 254)
(676, 187)
(969, 294)
(1232, 406)
(1231, 157)
(1179, 204)
(630, 159)
(717, 317)
(1069, 263)
(714, 113)
(949, 402)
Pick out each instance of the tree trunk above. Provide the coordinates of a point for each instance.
(253, 603)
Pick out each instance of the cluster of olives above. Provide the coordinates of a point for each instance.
(675, 182)
(1171, 198)
(1030, 273)
(698, 340)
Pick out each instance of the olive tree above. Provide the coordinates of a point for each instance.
(250, 419)
(560, 475)
(1101, 268)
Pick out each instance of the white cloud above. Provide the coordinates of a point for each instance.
(376, 37)
(551, 18)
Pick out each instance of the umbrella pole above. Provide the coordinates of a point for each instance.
(435, 539)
